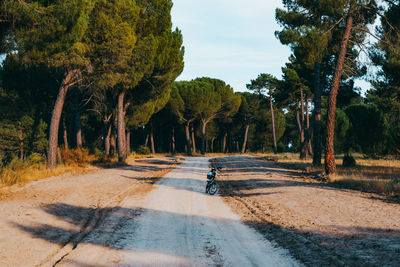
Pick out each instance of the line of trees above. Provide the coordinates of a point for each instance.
(101, 74)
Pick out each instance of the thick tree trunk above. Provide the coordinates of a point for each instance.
(107, 140)
(65, 134)
(273, 124)
(193, 140)
(245, 138)
(188, 145)
(128, 141)
(77, 120)
(330, 165)
(56, 116)
(121, 128)
(203, 137)
(173, 140)
(317, 115)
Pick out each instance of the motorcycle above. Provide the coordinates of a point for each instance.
(211, 186)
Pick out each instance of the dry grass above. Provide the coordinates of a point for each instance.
(32, 173)
(370, 175)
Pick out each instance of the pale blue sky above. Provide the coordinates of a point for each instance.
(232, 40)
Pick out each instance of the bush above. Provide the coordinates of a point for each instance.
(78, 156)
(143, 150)
(35, 159)
(349, 161)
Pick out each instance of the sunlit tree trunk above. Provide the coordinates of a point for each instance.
(128, 141)
(273, 124)
(224, 142)
(107, 140)
(330, 165)
(121, 128)
(193, 139)
(245, 138)
(77, 120)
(188, 145)
(203, 136)
(56, 116)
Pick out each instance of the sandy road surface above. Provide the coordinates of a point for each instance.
(322, 225)
(43, 221)
(123, 220)
(178, 225)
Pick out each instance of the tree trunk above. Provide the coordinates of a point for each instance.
(308, 131)
(128, 141)
(146, 141)
(56, 115)
(273, 124)
(113, 142)
(330, 165)
(303, 147)
(188, 145)
(193, 139)
(65, 134)
(121, 128)
(173, 140)
(77, 120)
(203, 137)
(224, 142)
(21, 146)
(317, 115)
(212, 145)
(107, 140)
(299, 126)
(153, 150)
(237, 147)
(245, 138)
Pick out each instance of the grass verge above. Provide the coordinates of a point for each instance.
(369, 175)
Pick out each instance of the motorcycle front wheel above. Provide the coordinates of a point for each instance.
(213, 189)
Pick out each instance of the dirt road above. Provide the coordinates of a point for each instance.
(321, 225)
(174, 224)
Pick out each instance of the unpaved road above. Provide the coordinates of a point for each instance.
(320, 224)
(174, 224)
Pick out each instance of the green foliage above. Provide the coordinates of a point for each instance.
(143, 150)
(368, 128)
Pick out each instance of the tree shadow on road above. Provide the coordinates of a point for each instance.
(115, 228)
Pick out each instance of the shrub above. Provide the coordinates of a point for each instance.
(143, 150)
(35, 159)
(78, 156)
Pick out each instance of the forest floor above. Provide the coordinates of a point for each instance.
(319, 223)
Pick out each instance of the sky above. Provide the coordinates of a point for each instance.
(232, 40)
